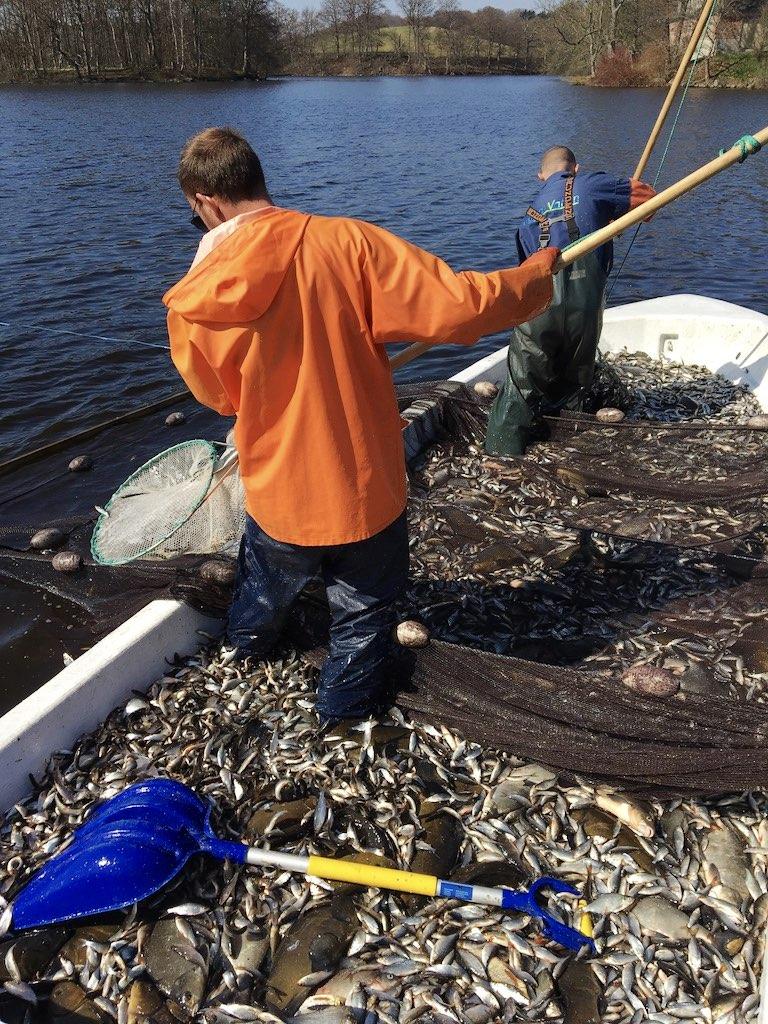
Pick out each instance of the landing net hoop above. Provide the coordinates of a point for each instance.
(153, 503)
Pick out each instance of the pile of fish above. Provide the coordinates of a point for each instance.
(651, 389)
(677, 892)
(508, 556)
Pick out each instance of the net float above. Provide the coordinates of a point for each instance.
(651, 681)
(486, 389)
(222, 573)
(609, 415)
(412, 634)
(66, 561)
(49, 538)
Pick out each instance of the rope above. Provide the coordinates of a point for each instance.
(748, 145)
(80, 334)
(663, 160)
(55, 446)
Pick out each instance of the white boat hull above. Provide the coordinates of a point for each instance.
(725, 338)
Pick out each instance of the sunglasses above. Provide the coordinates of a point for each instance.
(197, 221)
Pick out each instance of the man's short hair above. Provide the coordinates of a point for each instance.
(557, 155)
(219, 162)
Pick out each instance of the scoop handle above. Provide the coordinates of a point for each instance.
(340, 870)
(395, 880)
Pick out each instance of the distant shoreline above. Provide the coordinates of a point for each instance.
(70, 77)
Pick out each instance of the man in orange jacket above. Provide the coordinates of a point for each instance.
(282, 321)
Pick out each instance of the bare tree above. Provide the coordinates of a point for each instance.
(451, 23)
(96, 38)
(490, 25)
(417, 14)
(614, 6)
(579, 24)
(252, 38)
(332, 14)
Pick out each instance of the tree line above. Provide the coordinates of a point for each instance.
(420, 36)
(630, 42)
(139, 38)
(611, 42)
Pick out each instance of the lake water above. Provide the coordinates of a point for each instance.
(95, 230)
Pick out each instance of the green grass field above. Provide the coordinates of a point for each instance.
(399, 39)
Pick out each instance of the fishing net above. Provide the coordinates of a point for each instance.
(562, 490)
(99, 596)
(186, 500)
(591, 725)
(541, 581)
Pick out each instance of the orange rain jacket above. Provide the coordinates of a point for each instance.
(284, 324)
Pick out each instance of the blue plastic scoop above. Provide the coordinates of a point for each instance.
(134, 844)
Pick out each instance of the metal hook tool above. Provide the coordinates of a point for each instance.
(527, 902)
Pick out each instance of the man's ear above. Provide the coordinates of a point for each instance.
(209, 210)
(540, 176)
(576, 168)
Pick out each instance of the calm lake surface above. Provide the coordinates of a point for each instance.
(95, 230)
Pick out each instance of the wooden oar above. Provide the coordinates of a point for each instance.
(591, 242)
(666, 106)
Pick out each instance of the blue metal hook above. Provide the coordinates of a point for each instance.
(526, 901)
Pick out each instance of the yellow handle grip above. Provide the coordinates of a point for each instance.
(368, 874)
(585, 921)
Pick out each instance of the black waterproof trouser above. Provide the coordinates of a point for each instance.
(551, 360)
(362, 579)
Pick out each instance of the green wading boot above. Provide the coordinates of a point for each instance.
(551, 360)
(510, 422)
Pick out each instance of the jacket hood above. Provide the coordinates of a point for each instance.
(238, 280)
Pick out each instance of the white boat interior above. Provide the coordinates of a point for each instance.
(723, 337)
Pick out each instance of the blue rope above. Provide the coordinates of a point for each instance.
(20, 326)
(672, 130)
(748, 146)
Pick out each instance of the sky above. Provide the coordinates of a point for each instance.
(470, 5)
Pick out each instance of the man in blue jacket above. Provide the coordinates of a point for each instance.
(551, 359)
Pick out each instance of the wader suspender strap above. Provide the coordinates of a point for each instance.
(545, 224)
(570, 220)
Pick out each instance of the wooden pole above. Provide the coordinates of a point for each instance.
(666, 106)
(591, 242)
(408, 355)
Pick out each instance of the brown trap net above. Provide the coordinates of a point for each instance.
(532, 571)
(586, 724)
(543, 579)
